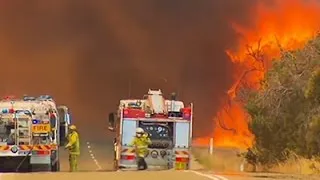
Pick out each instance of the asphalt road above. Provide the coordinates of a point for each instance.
(96, 163)
(147, 175)
(111, 175)
(95, 156)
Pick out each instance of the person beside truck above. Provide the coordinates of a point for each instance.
(141, 142)
(74, 148)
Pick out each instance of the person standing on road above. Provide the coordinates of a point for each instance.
(74, 148)
(141, 142)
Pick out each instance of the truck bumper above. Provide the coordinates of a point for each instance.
(134, 167)
(25, 163)
(12, 163)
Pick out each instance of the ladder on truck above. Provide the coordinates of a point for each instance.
(156, 102)
(23, 131)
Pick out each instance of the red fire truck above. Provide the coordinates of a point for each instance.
(168, 123)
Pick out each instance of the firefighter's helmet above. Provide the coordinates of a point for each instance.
(72, 127)
(139, 130)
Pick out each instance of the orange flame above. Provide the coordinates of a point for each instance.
(286, 24)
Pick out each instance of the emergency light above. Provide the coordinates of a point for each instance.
(45, 97)
(52, 116)
(23, 112)
(7, 111)
(45, 122)
(36, 121)
(186, 113)
(9, 97)
(29, 98)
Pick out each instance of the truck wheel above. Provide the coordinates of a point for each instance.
(55, 166)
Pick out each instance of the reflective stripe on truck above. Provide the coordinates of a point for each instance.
(29, 147)
(182, 160)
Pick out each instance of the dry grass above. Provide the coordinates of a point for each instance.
(221, 159)
(226, 160)
(298, 166)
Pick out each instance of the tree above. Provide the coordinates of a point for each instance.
(285, 111)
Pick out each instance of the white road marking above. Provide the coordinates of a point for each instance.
(221, 177)
(212, 177)
(93, 158)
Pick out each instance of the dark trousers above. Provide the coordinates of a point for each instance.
(142, 165)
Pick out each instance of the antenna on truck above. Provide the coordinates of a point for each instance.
(129, 88)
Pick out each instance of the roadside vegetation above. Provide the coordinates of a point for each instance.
(284, 116)
(221, 160)
(285, 112)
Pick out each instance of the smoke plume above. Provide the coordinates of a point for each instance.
(90, 54)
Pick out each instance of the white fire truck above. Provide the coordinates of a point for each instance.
(29, 134)
(168, 123)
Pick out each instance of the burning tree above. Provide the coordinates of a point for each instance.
(279, 23)
(271, 25)
(284, 113)
(237, 97)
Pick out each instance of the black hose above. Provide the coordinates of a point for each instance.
(22, 161)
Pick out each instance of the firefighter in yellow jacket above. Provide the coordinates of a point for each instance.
(141, 142)
(74, 148)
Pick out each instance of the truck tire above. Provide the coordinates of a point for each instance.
(55, 166)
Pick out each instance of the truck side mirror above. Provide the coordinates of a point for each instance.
(112, 122)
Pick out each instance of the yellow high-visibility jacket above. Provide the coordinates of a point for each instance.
(73, 143)
(141, 145)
